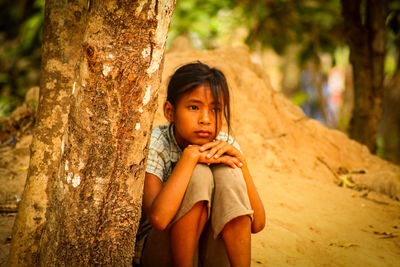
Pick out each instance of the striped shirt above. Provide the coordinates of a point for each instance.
(164, 151)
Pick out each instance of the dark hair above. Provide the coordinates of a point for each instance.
(192, 75)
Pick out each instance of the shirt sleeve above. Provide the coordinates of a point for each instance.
(155, 161)
(229, 139)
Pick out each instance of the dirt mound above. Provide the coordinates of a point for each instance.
(276, 132)
(294, 161)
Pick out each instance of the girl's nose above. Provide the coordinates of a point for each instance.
(204, 118)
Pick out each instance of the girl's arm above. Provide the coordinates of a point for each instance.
(161, 203)
(259, 213)
(219, 149)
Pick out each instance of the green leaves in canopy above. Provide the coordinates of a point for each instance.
(204, 21)
(313, 25)
(20, 37)
(392, 61)
(32, 28)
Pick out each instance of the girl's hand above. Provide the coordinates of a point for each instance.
(225, 159)
(202, 157)
(219, 149)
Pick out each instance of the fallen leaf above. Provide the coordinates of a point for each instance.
(384, 235)
(344, 245)
(261, 261)
(347, 181)
(358, 171)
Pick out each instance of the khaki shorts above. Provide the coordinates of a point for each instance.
(224, 189)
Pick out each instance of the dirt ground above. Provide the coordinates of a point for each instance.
(329, 202)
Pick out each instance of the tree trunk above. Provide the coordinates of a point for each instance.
(62, 38)
(95, 202)
(390, 124)
(367, 50)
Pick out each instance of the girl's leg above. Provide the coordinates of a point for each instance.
(231, 214)
(185, 234)
(212, 252)
(177, 246)
(187, 226)
(237, 240)
(156, 252)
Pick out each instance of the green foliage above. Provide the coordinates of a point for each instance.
(21, 25)
(205, 22)
(299, 98)
(393, 46)
(313, 25)
(4, 77)
(341, 56)
(380, 146)
(7, 104)
(31, 30)
(390, 64)
(34, 104)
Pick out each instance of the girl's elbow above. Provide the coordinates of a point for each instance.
(257, 227)
(157, 223)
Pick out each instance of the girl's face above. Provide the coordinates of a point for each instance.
(197, 117)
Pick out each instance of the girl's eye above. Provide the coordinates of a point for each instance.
(216, 110)
(193, 107)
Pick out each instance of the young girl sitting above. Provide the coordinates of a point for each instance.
(200, 202)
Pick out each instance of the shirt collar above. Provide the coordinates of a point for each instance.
(171, 133)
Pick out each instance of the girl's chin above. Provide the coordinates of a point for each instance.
(194, 141)
(201, 141)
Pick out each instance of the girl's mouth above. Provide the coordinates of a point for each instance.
(203, 134)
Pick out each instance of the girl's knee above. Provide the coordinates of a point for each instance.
(201, 177)
(200, 188)
(241, 222)
(228, 177)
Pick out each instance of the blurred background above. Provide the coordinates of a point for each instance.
(300, 44)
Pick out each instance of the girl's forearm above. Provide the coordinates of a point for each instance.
(255, 200)
(168, 201)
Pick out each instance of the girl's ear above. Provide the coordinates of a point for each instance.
(169, 111)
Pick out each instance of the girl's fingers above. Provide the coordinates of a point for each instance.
(227, 149)
(227, 160)
(224, 159)
(203, 157)
(231, 161)
(217, 150)
(237, 162)
(209, 145)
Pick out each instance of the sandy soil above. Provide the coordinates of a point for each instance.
(301, 170)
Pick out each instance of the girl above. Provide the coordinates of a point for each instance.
(199, 199)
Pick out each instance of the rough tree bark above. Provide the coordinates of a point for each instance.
(95, 197)
(365, 32)
(62, 38)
